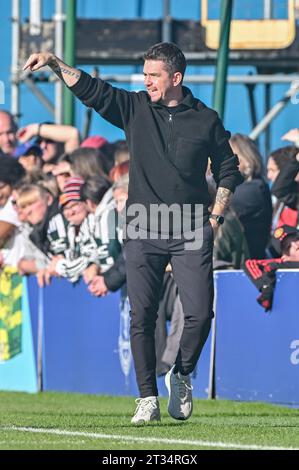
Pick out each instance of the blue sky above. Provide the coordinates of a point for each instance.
(237, 117)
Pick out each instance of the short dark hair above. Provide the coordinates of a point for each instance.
(285, 245)
(11, 171)
(283, 155)
(168, 53)
(94, 189)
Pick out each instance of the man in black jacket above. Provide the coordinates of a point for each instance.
(170, 135)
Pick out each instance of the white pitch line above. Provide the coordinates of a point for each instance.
(118, 437)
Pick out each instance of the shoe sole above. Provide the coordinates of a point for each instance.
(144, 422)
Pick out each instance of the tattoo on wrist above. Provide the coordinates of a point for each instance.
(223, 196)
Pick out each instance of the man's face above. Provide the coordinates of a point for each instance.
(5, 191)
(75, 212)
(8, 140)
(34, 212)
(159, 84)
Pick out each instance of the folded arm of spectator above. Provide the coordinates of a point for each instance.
(68, 135)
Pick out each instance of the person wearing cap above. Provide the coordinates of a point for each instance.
(94, 142)
(11, 236)
(30, 157)
(97, 193)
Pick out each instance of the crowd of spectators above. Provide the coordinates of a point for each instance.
(62, 201)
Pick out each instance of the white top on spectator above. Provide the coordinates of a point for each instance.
(13, 249)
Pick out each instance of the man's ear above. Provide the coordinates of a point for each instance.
(177, 78)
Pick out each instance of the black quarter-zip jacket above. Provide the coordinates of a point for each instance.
(169, 146)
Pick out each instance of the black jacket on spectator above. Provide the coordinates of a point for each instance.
(115, 277)
(285, 188)
(252, 204)
(169, 146)
(262, 272)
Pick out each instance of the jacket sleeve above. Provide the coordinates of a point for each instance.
(115, 277)
(113, 104)
(285, 187)
(263, 275)
(224, 164)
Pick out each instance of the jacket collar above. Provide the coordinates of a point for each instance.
(188, 100)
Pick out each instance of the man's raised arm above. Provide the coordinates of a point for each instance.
(67, 74)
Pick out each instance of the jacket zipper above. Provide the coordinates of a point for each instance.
(170, 120)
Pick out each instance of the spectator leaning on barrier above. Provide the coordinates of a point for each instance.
(97, 194)
(48, 236)
(11, 234)
(171, 135)
(81, 248)
(263, 272)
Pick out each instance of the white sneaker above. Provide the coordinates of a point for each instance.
(147, 410)
(179, 387)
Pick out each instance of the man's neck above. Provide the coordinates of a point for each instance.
(175, 100)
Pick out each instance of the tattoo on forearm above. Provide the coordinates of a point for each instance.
(59, 70)
(223, 197)
(69, 72)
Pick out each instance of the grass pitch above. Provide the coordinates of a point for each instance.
(73, 421)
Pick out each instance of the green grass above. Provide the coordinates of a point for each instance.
(212, 421)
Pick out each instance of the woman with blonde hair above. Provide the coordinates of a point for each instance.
(252, 199)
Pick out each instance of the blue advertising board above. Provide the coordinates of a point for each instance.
(86, 347)
(257, 353)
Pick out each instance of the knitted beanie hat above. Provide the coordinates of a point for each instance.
(71, 190)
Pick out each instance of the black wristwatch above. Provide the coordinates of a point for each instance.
(219, 218)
